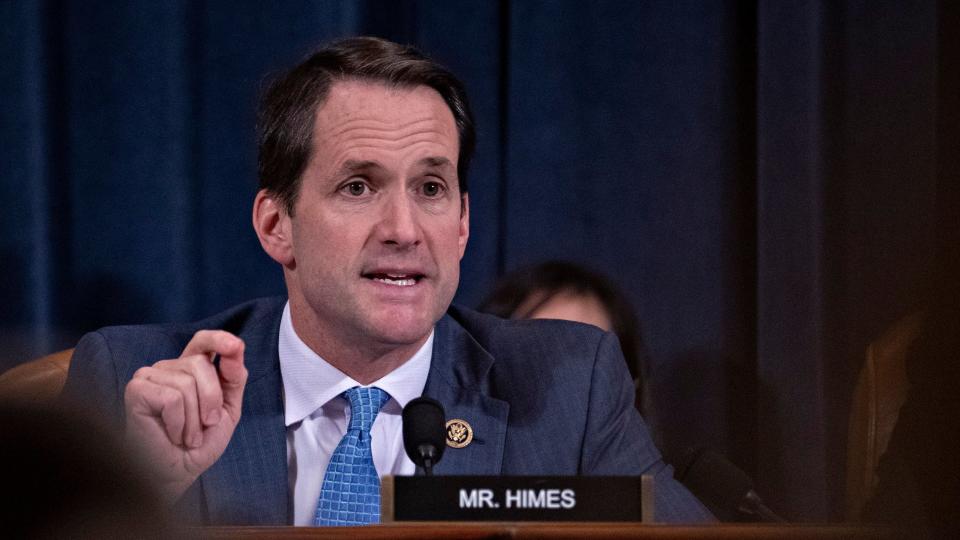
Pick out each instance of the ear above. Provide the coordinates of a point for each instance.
(464, 223)
(272, 223)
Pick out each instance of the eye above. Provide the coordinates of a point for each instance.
(355, 188)
(432, 189)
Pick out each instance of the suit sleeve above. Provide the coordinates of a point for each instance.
(93, 383)
(96, 383)
(617, 442)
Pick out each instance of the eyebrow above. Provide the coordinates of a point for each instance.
(436, 162)
(354, 165)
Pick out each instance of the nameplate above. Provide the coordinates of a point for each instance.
(516, 498)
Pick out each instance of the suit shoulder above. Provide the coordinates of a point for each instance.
(137, 344)
(530, 338)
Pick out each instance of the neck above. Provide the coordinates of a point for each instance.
(360, 358)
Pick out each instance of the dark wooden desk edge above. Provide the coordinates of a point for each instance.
(470, 530)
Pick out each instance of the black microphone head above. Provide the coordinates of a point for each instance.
(716, 481)
(424, 431)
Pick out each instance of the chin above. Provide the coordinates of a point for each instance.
(401, 328)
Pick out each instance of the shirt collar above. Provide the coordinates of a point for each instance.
(309, 381)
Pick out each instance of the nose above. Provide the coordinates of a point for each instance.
(399, 224)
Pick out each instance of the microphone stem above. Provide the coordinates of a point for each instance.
(752, 504)
(767, 515)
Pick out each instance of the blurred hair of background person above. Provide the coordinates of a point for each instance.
(66, 476)
(567, 291)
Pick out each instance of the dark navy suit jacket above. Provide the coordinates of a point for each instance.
(543, 398)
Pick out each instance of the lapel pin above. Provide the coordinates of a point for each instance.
(459, 433)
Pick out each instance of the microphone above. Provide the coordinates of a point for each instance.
(424, 432)
(722, 485)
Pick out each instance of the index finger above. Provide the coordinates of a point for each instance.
(232, 372)
(212, 342)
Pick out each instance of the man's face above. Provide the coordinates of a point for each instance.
(379, 226)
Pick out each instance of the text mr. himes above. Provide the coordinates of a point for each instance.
(552, 499)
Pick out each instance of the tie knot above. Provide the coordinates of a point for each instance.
(365, 403)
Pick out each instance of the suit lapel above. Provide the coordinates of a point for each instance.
(459, 379)
(248, 484)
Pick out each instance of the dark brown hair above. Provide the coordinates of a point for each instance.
(290, 103)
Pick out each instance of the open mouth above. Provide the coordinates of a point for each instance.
(396, 280)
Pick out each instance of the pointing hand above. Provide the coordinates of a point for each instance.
(181, 413)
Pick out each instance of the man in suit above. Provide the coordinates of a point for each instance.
(363, 149)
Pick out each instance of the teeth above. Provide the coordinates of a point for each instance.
(399, 282)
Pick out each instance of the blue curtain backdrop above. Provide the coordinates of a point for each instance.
(768, 180)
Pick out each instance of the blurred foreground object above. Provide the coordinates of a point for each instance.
(66, 476)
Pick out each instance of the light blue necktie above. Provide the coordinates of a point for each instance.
(350, 494)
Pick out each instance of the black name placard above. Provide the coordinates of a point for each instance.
(517, 498)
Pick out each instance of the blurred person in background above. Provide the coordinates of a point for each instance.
(567, 291)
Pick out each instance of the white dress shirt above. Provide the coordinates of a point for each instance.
(316, 417)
